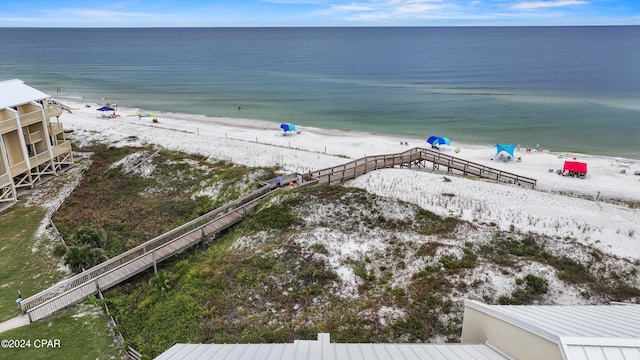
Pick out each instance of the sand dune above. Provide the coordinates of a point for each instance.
(591, 210)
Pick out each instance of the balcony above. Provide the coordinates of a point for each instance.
(33, 138)
(19, 168)
(30, 118)
(62, 148)
(55, 129)
(39, 159)
(8, 125)
(53, 111)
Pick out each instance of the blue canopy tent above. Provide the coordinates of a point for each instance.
(438, 140)
(506, 148)
(287, 128)
(105, 109)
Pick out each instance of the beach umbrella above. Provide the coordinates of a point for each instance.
(438, 140)
(287, 127)
(105, 108)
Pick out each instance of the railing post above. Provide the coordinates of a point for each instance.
(203, 236)
(155, 265)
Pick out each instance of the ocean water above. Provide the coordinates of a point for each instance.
(567, 88)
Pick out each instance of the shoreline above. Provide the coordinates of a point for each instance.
(604, 177)
(262, 123)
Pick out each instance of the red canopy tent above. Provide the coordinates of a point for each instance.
(577, 167)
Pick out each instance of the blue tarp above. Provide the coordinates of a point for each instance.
(438, 140)
(287, 127)
(506, 148)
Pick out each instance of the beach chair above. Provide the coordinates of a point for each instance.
(625, 164)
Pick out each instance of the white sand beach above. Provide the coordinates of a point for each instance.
(590, 210)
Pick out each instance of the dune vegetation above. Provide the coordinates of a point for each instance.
(335, 259)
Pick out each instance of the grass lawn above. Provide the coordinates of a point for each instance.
(26, 263)
(79, 332)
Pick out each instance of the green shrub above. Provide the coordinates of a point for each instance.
(203, 205)
(160, 281)
(59, 250)
(90, 237)
(83, 257)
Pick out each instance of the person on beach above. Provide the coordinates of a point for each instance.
(310, 177)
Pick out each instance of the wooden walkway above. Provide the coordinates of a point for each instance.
(142, 257)
(421, 158)
(122, 267)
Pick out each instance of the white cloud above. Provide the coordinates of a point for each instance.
(417, 8)
(386, 10)
(530, 5)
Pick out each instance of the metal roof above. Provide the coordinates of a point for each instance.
(322, 349)
(587, 332)
(598, 349)
(15, 92)
(553, 322)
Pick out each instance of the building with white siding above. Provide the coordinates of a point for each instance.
(32, 140)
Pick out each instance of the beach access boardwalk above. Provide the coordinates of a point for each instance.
(147, 255)
(115, 270)
(417, 158)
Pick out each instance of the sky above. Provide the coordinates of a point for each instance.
(289, 13)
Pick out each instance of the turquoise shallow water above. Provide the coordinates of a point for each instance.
(568, 88)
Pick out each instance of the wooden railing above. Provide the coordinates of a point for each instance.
(140, 258)
(52, 111)
(415, 156)
(471, 168)
(39, 159)
(31, 117)
(8, 125)
(61, 148)
(19, 168)
(55, 128)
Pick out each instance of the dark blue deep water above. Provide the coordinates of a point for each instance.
(567, 88)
